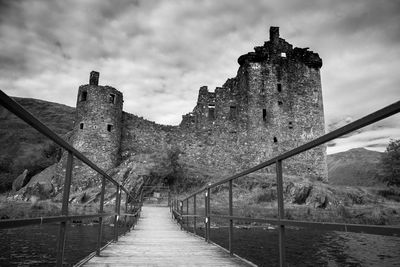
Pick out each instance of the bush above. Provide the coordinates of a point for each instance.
(391, 163)
(391, 194)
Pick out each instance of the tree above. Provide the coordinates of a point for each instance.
(391, 163)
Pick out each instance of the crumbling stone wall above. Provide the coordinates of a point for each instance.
(272, 105)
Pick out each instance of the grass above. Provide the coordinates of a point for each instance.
(11, 209)
(357, 206)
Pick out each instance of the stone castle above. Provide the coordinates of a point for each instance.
(274, 104)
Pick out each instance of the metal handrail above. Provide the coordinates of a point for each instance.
(177, 205)
(26, 116)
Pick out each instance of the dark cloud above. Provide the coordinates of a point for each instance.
(158, 53)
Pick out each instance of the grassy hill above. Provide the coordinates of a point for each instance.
(22, 147)
(357, 166)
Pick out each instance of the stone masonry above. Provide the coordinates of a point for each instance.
(274, 104)
(98, 123)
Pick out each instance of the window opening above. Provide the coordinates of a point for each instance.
(232, 112)
(111, 98)
(211, 112)
(264, 114)
(290, 125)
(279, 73)
(280, 103)
(275, 140)
(109, 127)
(83, 96)
(283, 54)
(279, 87)
(81, 125)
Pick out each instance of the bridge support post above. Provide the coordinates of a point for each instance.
(64, 210)
(230, 220)
(100, 233)
(281, 213)
(194, 213)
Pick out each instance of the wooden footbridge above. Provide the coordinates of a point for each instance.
(157, 240)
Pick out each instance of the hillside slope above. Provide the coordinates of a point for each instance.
(22, 147)
(357, 166)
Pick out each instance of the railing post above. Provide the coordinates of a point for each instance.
(194, 213)
(281, 213)
(172, 208)
(126, 211)
(100, 233)
(117, 203)
(208, 213)
(230, 220)
(181, 212)
(187, 213)
(64, 210)
(205, 216)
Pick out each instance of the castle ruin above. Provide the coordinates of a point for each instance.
(274, 104)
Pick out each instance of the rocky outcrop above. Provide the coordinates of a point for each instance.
(41, 186)
(21, 181)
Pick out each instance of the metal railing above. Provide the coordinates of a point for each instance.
(183, 216)
(19, 111)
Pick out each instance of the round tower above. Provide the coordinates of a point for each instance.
(97, 129)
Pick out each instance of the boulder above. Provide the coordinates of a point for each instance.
(321, 197)
(298, 193)
(21, 181)
(40, 185)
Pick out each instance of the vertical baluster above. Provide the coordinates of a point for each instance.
(172, 208)
(230, 220)
(194, 213)
(205, 216)
(64, 210)
(126, 211)
(117, 201)
(169, 199)
(101, 210)
(208, 213)
(281, 214)
(181, 212)
(187, 213)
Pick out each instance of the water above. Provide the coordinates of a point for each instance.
(37, 245)
(308, 247)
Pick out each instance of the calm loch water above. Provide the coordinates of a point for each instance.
(36, 246)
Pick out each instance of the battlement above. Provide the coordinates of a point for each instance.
(277, 49)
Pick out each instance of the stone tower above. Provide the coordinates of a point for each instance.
(273, 105)
(98, 122)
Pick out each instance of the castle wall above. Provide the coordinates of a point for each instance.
(277, 101)
(273, 105)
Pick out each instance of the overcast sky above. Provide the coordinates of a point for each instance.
(158, 53)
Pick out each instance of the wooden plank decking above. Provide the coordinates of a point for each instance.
(158, 241)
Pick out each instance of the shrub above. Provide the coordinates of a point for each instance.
(391, 163)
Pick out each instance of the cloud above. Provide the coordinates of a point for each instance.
(158, 53)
